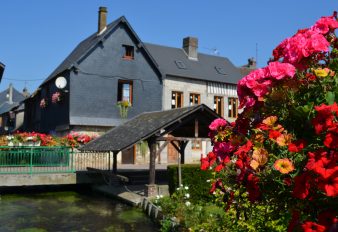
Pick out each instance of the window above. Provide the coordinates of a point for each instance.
(196, 144)
(233, 107)
(180, 64)
(218, 105)
(194, 99)
(176, 100)
(128, 52)
(125, 91)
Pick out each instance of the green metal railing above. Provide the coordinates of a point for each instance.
(30, 160)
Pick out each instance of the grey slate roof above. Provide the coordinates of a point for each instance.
(148, 124)
(6, 107)
(205, 68)
(163, 58)
(85, 46)
(4, 104)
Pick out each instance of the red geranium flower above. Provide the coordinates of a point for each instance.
(252, 187)
(312, 227)
(297, 146)
(328, 218)
(329, 185)
(302, 186)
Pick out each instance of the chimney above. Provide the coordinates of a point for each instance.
(252, 63)
(25, 92)
(102, 25)
(10, 94)
(190, 45)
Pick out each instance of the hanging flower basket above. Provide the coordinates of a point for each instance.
(123, 107)
(56, 97)
(43, 103)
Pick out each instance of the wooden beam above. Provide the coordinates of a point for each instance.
(183, 145)
(175, 146)
(152, 147)
(115, 162)
(180, 139)
(196, 128)
(160, 149)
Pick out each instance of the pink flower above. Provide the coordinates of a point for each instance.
(217, 123)
(56, 97)
(281, 70)
(325, 24)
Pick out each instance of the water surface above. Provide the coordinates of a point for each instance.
(69, 211)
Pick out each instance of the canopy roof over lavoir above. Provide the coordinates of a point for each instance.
(188, 122)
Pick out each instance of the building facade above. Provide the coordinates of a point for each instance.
(112, 66)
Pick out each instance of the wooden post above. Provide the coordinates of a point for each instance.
(183, 145)
(109, 161)
(180, 160)
(152, 148)
(115, 162)
(151, 188)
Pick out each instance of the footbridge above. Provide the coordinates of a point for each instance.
(29, 166)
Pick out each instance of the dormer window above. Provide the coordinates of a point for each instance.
(128, 52)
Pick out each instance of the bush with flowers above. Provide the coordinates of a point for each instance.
(276, 165)
(180, 214)
(73, 139)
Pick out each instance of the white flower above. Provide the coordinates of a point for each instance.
(187, 203)
(208, 181)
(181, 185)
(161, 196)
(186, 187)
(178, 189)
(187, 195)
(157, 197)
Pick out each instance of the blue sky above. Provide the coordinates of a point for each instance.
(37, 35)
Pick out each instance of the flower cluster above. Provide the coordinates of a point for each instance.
(56, 97)
(282, 151)
(73, 139)
(43, 103)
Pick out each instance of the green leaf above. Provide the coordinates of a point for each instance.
(330, 97)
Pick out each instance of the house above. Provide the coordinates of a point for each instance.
(11, 109)
(114, 65)
(2, 69)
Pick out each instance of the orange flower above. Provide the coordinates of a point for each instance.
(284, 166)
(284, 140)
(270, 121)
(259, 158)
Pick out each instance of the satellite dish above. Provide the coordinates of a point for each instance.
(60, 82)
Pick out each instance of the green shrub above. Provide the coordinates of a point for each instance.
(194, 178)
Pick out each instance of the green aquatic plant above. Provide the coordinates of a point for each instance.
(32, 229)
(72, 210)
(131, 216)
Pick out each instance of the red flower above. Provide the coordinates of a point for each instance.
(312, 227)
(329, 185)
(324, 118)
(273, 134)
(314, 157)
(252, 187)
(281, 70)
(208, 161)
(297, 146)
(245, 148)
(302, 186)
(328, 218)
(218, 123)
(218, 184)
(294, 221)
(331, 139)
